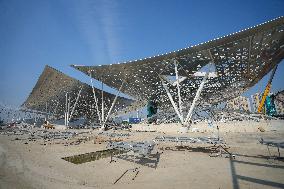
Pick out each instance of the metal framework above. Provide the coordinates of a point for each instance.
(241, 59)
(70, 97)
(185, 139)
(143, 148)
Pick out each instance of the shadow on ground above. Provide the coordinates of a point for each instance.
(236, 177)
(150, 161)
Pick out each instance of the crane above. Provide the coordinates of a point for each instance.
(266, 91)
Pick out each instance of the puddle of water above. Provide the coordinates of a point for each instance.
(92, 156)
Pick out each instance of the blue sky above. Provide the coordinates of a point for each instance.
(92, 32)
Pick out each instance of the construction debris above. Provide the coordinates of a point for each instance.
(133, 170)
(45, 135)
(204, 140)
(114, 134)
(142, 148)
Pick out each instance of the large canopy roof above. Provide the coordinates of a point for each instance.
(49, 93)
(241, 59)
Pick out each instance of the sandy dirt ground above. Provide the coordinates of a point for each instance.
(39, 164)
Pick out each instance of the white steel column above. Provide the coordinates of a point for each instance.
(171, 99)
(55, 108)
(103, 111)
(75, 104)
(66, 102)
(178, 89)
(112, 105)
(96, 100)
(68, 109)
(188, 117)
(46, 111)
(65, 119)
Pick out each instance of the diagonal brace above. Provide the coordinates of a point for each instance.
(188, 117)
(171, 99)
(112, 105)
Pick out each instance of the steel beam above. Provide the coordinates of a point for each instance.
(66, 107)
(178, 89)
(171, 99)
(68, 110)
(96, 100)
(103, 110)
(55, 109)
(112, 105)
(73, 109)
(188, 117)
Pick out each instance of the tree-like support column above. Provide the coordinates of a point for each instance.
(96, 100)
(65, 115)
(112, 105)
(178, 90)
(171, 99)
(103, 109)
(188, 117)
(67, 109)
(73, 109)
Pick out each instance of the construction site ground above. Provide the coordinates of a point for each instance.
(39, 164)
